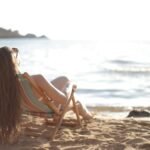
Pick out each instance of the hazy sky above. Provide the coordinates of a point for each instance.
(78, 19)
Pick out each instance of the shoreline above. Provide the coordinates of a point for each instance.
(115, 111)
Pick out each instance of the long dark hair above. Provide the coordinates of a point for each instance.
(10, 102)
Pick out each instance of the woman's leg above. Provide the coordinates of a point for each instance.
(52, 92)
(83, 111)
(61, 83)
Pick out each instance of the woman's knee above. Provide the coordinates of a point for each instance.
(62, 79)
(61, 82)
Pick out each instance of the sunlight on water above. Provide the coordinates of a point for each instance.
(113, 73)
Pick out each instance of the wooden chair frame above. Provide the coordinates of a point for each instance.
(58, 112)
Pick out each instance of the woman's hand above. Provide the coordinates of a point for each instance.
(74, 87)
(69, 89)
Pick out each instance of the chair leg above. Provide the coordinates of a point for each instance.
(64, 112)
(61, 117)
(76, 111)
(57, 127)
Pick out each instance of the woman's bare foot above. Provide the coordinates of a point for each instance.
(83, 111)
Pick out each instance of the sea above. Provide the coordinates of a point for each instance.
(110, 75)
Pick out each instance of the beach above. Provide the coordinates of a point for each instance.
(103, 132)
(112, 78)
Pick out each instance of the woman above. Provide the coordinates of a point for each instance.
(10, 94)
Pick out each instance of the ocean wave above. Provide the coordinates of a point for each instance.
(119, 61)
(115, 93)
(128, 71)
(126, 67)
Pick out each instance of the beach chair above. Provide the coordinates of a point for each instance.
(45, 108)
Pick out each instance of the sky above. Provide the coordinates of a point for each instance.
(78, 19)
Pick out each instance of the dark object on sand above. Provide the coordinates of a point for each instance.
(139, 113)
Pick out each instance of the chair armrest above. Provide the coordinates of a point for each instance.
(71, 88)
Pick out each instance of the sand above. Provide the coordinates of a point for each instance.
(100, 133)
